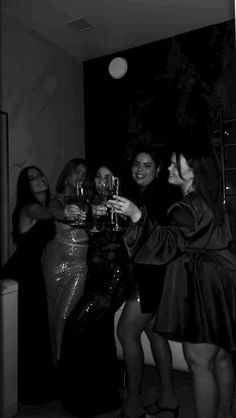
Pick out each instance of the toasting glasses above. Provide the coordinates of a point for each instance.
(116, 190)
(110, 186)
(96, 201)
(78, 198)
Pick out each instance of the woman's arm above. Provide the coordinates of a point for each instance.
(56, 209)
(35, 211)
(60, 212)
(156, 244)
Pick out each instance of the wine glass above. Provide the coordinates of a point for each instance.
(95, 201)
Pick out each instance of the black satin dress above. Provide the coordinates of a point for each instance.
(35, 372)
(88, 368)
(157, 197)
(198, 302)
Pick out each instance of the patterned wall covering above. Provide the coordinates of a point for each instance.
(187, 78)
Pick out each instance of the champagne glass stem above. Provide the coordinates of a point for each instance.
(112, 216)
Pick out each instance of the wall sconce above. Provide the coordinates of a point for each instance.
(118, 67)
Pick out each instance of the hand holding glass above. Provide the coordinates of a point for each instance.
(98, 209)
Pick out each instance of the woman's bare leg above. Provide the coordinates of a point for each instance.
(201, 360)
(226, 381)
(131, 324)
(163, 358)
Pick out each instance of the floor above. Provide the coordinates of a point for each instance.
(182, 383)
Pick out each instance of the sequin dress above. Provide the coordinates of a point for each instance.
(65, 269)
(88, 366)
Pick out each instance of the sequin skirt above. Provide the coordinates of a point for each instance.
(65, 271)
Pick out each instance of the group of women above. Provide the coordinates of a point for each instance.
(169, 261)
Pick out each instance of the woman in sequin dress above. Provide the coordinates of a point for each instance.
(64, 261)
(89, 365)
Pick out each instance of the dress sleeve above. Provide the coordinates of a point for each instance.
(150, 243)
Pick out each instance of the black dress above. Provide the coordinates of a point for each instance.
(35, 371)
(157, 198)
(88, 365)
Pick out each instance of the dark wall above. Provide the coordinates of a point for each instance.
(183, 79)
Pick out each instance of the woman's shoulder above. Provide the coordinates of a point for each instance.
(191, 204)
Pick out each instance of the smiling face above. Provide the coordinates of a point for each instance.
(184, 178)
(38, 181)
(144, 169)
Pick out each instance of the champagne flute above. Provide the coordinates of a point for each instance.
(116, 187)
(80, 201)
(109, 191)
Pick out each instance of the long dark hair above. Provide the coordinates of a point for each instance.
(111, 166)
(24, 196)
(195, 144)
(68, 169)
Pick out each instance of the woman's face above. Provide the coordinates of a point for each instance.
(79, 174)
(100, 175)
(144, 169)
(38, 181)
(186, 172)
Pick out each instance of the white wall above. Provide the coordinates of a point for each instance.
(42, 92)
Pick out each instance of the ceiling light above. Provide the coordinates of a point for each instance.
(118, 67)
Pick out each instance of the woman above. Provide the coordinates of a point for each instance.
(197, 305)
(137, 316)
(32, 229)
(89, 365)
(64, 261)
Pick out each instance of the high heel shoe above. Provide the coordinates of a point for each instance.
(155, 409)
(122, 414)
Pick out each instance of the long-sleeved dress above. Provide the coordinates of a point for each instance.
(198, 302)
(88, 367)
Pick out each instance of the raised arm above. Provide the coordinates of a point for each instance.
(155, 244)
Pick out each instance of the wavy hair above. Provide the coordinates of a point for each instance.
(66, 172)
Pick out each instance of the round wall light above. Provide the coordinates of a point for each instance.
(118, 67)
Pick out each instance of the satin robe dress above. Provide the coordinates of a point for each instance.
(198, 301)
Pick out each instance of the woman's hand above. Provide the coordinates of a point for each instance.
(125, 207)
(73, 212)
(101, 210)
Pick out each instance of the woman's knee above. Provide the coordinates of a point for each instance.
(200, 356)
(126, 331)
